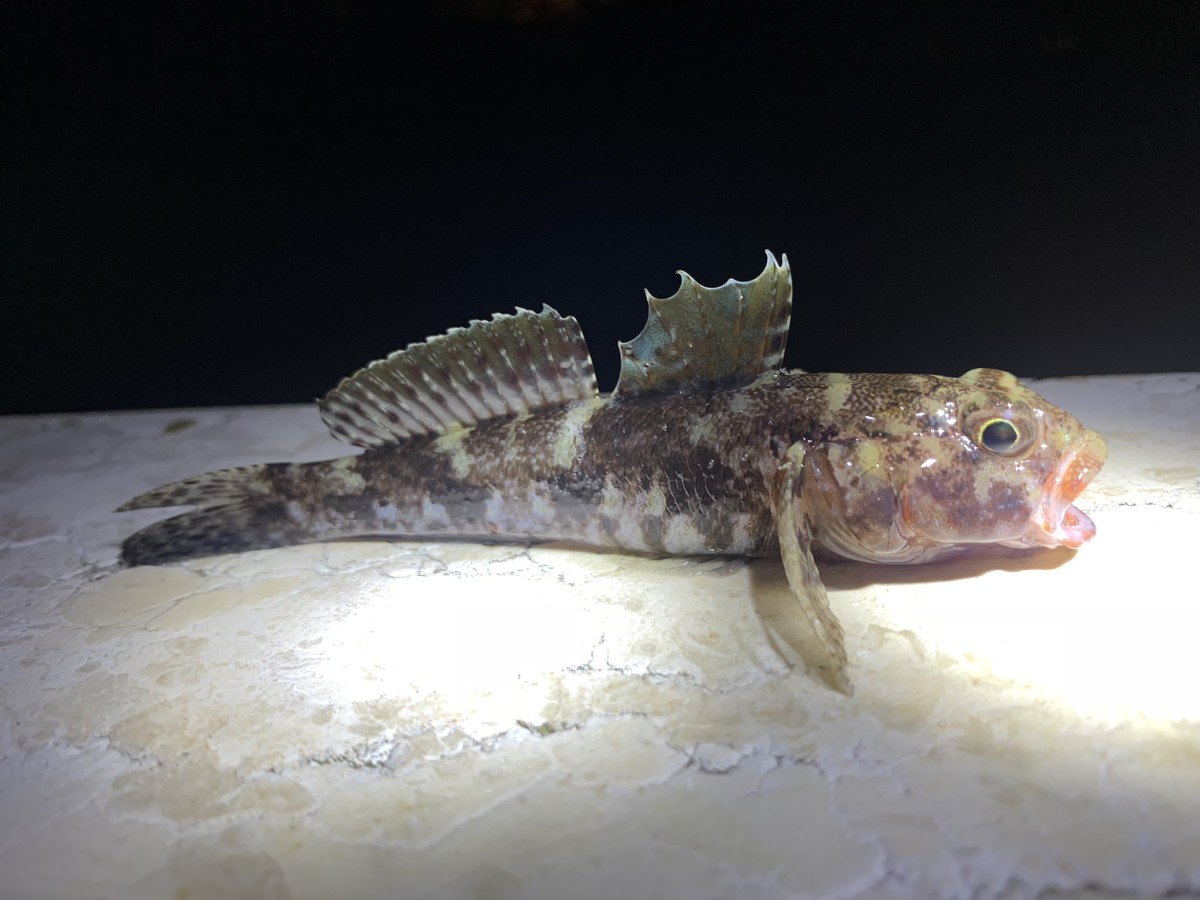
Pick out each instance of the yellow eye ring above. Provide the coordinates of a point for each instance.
(999, 435)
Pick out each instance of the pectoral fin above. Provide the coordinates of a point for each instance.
(795, 546)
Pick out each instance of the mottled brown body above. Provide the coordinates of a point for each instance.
(682, 474)
(686, 474)
(678, 475)
(496, 432)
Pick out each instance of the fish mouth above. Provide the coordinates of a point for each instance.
(1057, 522)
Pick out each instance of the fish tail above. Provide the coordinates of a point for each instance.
(246, 508)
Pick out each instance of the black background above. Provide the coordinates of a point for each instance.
(208, 203)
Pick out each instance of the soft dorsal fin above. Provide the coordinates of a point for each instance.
(509, 365)
(707, 338)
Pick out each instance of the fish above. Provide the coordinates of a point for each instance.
(706, 446)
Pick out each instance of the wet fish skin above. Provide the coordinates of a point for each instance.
(496, 432)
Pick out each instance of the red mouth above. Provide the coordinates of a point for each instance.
(1057, 522)
(1074, 528)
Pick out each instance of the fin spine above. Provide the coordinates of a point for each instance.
(704, 338)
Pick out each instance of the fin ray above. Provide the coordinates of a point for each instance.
(508, 365)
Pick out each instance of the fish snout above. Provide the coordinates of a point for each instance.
(1057, 522)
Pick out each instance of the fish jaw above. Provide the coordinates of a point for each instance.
(1057, 521)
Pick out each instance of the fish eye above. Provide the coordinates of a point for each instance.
(999, 435)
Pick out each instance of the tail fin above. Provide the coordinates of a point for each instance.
(236, 509)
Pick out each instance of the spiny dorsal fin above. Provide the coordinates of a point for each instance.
(509, 365)
(706, 338)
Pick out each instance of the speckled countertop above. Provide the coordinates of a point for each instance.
(456, 721)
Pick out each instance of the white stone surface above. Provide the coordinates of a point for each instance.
(457, 721)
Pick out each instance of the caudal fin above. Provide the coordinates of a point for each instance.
(236, 509)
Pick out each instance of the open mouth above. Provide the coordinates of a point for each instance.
(1058, 522)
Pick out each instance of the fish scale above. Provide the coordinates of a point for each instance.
(496, 432)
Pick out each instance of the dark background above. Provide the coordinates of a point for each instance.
(208, 203)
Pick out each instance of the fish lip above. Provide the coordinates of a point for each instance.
(1057, 522)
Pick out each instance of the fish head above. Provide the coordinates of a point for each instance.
(980, 459)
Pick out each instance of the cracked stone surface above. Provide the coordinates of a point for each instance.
(458, 721)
